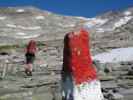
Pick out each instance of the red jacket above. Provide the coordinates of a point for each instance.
(31, 47)
(78, 58)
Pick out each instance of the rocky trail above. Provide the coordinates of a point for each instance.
(45, 84)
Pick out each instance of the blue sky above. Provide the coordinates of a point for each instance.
(86, 8)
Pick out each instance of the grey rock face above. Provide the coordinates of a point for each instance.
(19, 24)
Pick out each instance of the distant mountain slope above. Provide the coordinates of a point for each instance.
(110, 30)
(29, 22)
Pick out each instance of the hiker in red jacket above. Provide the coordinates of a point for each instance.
(30, 56)
(79, 78)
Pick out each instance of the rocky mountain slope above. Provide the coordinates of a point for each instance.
(112, 29)
(18, 24)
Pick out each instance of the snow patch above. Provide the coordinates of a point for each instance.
(22, 27)
(83, 18)
(2, 17)
(67, 25)
(30, 28)
(28, 36)
(20, 33)
(95, 21)
(115, 55)
(122, 21)
(11, 25)
(39, 17)
(20, 10)
(127, 13)
(100, 30)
